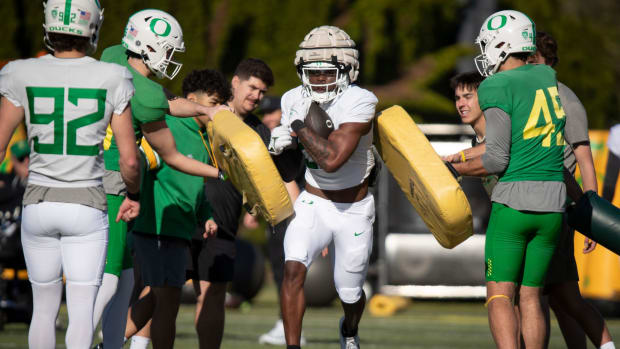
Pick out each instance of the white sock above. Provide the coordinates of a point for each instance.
(106, 291)
(138, 342)
(80, 305)
(115, 313)
(608, 345)
(46, 302)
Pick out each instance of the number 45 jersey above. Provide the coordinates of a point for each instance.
(529, 95)
(68, 104)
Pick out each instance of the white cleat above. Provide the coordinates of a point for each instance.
(348, 342)
(276, 336)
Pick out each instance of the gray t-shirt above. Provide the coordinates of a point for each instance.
(538, 196)
(89, 196)
(576, 128)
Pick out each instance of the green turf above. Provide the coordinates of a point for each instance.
(421, 325)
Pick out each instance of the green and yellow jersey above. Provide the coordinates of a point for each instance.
(529, 95)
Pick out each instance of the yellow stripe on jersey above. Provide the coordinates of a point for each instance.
(107, 141)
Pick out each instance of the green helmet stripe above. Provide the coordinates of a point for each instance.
(67, 16)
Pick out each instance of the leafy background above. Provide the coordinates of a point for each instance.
(409, 49)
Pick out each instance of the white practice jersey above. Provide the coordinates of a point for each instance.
(355, 104)
(68, 104)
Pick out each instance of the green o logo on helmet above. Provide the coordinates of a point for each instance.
(502, 22)
(157, 29)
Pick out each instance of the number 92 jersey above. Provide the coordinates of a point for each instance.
(68, 104)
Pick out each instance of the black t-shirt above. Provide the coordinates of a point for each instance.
(226, 202)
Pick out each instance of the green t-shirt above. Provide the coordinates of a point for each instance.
(173, 203)
(529, 95)
(148, 104)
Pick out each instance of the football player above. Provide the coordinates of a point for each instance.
(574, 314)
(527, 154)
(336, 206)
(68, 99)
(151, 39)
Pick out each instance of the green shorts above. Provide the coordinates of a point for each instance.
(520, 244)
(119, 256)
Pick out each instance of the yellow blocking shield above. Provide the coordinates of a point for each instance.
(241, 153)
(423, 177)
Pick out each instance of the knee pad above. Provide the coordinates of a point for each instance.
(350, 295)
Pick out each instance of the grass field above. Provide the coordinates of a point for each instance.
(421, 325)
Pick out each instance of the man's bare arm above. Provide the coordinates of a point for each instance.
(128, 151)
(183, 107)
(160, 138)
(331, 153)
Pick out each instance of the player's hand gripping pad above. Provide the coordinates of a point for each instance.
(597, 219)
(422, 176)
(240, 152)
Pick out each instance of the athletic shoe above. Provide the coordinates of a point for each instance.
(348, 342)
(276, 336)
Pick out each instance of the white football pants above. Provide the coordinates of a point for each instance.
(71, 238)
(318, 222)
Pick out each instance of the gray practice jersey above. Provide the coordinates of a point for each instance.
(67, 104)
(576, 128)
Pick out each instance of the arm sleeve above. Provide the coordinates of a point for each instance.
(124, 92)
(611, 176)
(497, 155)
(7, 86)
(576, 129)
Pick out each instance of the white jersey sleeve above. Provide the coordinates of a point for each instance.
(124, 91)
(7, 87)
(67, 105)
(356, 105)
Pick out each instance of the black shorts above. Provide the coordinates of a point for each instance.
(162, 259)
(563, 267)
(213, 259)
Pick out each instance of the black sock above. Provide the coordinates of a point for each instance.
(293, 347)
(346, 333)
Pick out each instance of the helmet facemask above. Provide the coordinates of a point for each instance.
(323, 81)
(156, 36)
(166, 66)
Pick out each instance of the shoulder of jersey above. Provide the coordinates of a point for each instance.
(290, 96)
(20, 64)
(355, 95)
(150, 94)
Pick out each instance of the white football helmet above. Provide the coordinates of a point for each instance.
(501, 34)
(327, 50)
(73, 17)
(155, 35)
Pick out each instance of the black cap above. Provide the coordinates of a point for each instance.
(270, 104)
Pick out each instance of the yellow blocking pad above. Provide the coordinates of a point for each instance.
(423, 177)
(383, 305)
(241, 153)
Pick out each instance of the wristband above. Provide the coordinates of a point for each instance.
(221, 175)
(297, 125)
(133, 196)
(463, 159)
